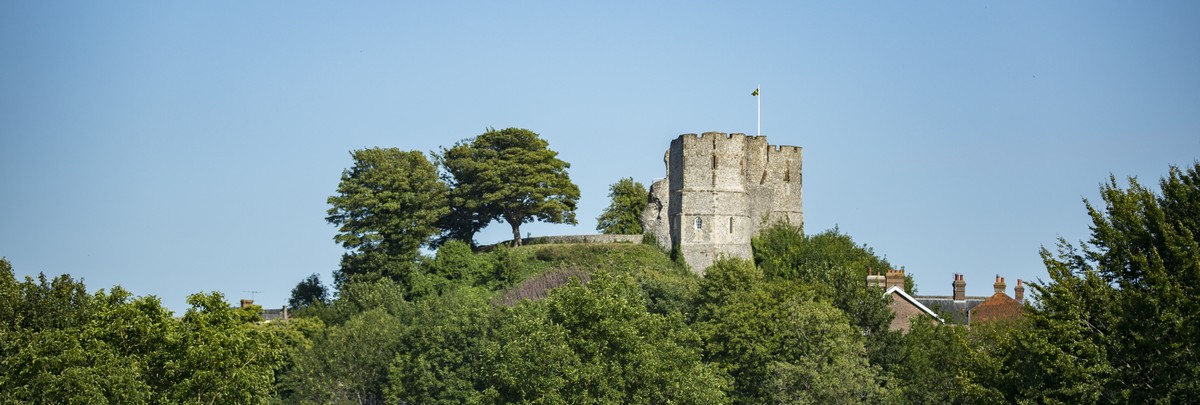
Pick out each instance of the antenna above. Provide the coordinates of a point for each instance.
(252, 292)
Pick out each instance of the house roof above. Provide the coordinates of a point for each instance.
(900, 292)
(956, 311)
(998, 306)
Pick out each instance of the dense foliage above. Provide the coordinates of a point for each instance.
(624, 212)
(387, 206)
(391, 203)
(308, 292)
(1119, 320)
(623, 323)
(60, 344)
(509, 174)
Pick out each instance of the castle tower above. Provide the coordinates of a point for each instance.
(719, 192)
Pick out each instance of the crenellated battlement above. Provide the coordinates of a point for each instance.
(731, 182)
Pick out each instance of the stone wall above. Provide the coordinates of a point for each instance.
(560, 239)
(719, 191)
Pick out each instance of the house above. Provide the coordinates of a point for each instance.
(269, 315)
(958, 309)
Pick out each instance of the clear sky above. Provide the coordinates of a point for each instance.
(177, 147)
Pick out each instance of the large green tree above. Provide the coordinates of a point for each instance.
(836, 267)
(597, 343)
(780, 341)
(623, 215)
(509, 174)
(1119, 319)
(221, 356)
(387, 206)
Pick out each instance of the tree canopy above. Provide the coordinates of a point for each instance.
(309, 291)
(387, 206)
(510, 174)
(623, 214)
(1119, 319)
(59, 344)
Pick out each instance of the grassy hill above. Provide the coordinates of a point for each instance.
(667, 284)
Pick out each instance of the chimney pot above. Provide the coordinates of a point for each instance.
(1019, 290)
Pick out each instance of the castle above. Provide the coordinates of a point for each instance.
(719, 191)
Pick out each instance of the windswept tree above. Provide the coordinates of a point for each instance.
(623, 215)
(510, 174)
(387, 206)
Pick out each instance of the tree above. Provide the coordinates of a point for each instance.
(221, 356)
(1119, 319)
(347, 363)
(623, 215)
(837, 267)
(439, 348)
(779, 342)
(387, 207)
(510, 174)
(597, 343)
(309, 292)
(60, 344)
(941, 364)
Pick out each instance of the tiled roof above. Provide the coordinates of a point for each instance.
(998, 306)
(957, 312)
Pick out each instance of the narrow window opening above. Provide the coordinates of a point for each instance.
(730, 224)
(699, 223)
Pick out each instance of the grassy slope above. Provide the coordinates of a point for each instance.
(668, 285)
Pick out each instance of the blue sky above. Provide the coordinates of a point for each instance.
(177, 147)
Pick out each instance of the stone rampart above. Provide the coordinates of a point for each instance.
(561, 239)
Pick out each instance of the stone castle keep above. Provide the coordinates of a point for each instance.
(720, 190)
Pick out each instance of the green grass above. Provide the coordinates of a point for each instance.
(667, 285)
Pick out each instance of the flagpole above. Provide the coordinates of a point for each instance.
(758, 90)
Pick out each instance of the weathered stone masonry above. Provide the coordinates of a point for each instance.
(720, 190)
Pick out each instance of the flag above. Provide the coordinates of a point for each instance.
(755, 93)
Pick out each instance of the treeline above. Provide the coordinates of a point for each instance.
(643, 328)
(60, 344)
(624, 323)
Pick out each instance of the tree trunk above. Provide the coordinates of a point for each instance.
(516, 227)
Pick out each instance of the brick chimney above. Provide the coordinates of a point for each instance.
(999, 286)
(1019, 290)
(895, 278)
(960, 288)
(247, 302)
(875, 280)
